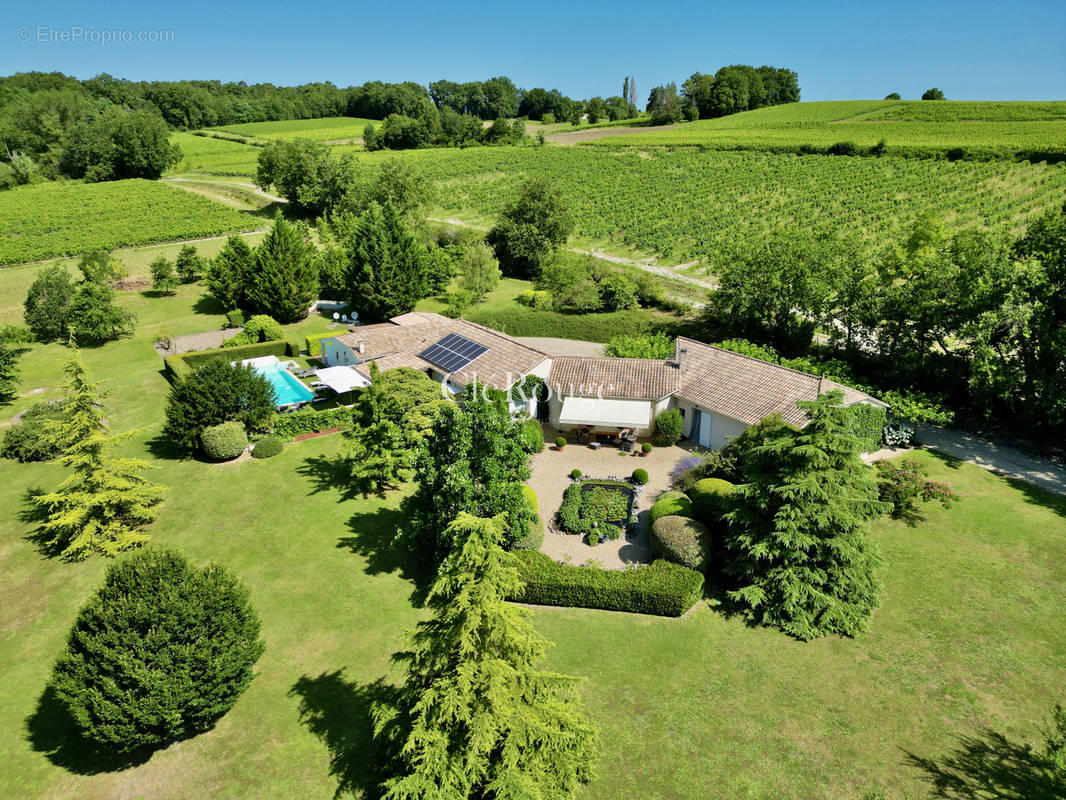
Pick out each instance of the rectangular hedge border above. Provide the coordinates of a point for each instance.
(181, 364)
(661, 588)
(307, 420)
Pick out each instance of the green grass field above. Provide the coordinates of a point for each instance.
(969, 635)
(59, 219)
(323, 129)
(984, 129)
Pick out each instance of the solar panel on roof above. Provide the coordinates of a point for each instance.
(452, 353)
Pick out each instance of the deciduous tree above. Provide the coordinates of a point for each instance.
(530, 229)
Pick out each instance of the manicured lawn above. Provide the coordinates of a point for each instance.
(969, 635)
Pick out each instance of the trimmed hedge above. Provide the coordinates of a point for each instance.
(681, 540)
(670, 504)
(308, 420)
(662, 588)
(224, 442)
(313, 343)
(640, 476)
(708, 496)
(181, 364)
(268, 447)
(868, 423)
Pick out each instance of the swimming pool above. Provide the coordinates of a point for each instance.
(287, 389)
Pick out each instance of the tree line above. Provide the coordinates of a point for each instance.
(730, 90)
(974, 317)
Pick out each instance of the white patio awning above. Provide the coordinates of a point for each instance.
(341, 379)
(607, 413)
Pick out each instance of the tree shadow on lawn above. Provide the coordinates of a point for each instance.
(990, 766)
(50, 730)
(340, 713)
(1036, 496)
(163, 447)
(373, 537)
(208, 305)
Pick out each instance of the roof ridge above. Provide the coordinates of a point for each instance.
(755, 359)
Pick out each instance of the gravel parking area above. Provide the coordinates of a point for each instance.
(551, 475)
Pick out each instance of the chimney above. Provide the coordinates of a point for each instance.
(361, 346)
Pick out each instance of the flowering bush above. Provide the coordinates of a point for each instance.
(903, 484)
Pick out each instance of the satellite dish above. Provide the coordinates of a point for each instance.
(344, 317)
(336, 315)
(355, 316)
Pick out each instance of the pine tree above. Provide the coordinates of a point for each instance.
(389, 270)
(103, 506)
(189, 265)
(377, 454)
(285, 282)
(229, 272)
(475, 717)
(797, 542)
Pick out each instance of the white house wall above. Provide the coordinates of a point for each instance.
(336, 354)
(723, 429)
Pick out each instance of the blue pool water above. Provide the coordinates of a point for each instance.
(287, 389)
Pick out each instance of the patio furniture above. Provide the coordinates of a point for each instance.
(595, 445)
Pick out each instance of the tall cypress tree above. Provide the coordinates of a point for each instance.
(104, 505)
(797, 541)
(285, 282)
(475, 717)
(229, 272)
(389, 270)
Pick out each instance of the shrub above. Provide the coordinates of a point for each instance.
(224, 441)
(217, 392)
(681, 540)
(28, 439)
(640, 476)
(575, 474)
(661, 588)
(536, 300)
(535, 536)
(235, 318)
(843, 149)
(531, 436)
(593, 539)
(646, 447)
(670, 504)
(668, 427)
(898, 434)
(47, 305)
(259, 328)
(905, 483)
(560, 442)
(268, 447)
(159, 653)
(308, 420)
(708, 499)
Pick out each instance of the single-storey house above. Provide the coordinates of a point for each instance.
(718, 392)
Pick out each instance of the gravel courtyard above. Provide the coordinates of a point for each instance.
(551, 475)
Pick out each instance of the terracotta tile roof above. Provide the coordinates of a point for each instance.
(629, 378)
(502, 364)
(748, 389)
(392, 362)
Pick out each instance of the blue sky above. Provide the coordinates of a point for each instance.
(841, 50)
